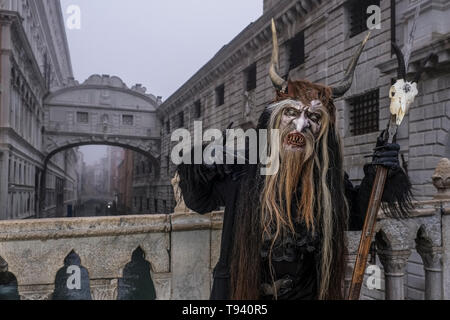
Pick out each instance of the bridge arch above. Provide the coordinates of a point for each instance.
(100, 111)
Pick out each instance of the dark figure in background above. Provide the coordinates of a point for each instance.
(136, 283)
(66, 280)
(8, 283)
(284, 234)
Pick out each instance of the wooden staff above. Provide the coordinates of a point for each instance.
(370, 222)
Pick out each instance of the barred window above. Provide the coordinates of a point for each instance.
(358, 15)
(82, 117)
(250, 76)
(220, 95)
(168, 126)
(296, 50)
(127, 120)
(197, 109)
(364, 113)
(181, 119)
(167, 164)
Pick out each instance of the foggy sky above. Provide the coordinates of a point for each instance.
(158, 43)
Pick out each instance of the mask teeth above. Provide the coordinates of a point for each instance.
(296, 139)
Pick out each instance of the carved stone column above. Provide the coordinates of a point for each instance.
(4, 185)
(394, 263)
(432, 263)
(180, 205)
(441, 180)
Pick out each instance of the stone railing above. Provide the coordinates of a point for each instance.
(181, 250)
(427, 231)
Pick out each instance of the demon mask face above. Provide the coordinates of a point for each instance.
(301, 124)
(298, 118)
(303, 110)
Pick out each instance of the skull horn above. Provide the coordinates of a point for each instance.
(346, 83)
(401, 62)
(278, 82)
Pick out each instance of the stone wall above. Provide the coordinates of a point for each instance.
(181, 249)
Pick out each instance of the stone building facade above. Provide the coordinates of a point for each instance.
(115, 156)
(317, 39)
(146, 199)
(125, 170)
(34, 58)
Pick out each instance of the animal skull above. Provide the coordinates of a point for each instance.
(402, 95)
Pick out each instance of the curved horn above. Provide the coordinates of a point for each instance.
(401, 62)
(422, 67)
(346, 83)
(278, 82)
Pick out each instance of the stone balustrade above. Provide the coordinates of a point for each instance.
(428, 232)
(182, 249)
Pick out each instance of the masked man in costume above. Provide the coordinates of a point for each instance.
(284, 234)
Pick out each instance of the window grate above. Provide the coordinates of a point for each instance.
(297, 50)
(220, 95)
(168, 126)
(365, 112)
(127, 120)
(250, 74)
(359, 15)
(197, 109)
(181, 119)
(82, 117)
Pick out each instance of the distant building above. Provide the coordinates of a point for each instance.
(35, 58)
(146, 199)
(125, 171)
(115, 157)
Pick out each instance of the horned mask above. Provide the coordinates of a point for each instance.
(288, 89)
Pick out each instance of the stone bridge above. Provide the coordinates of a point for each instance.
(102, 110)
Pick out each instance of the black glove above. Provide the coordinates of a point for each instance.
(386, 154)
(208, 172)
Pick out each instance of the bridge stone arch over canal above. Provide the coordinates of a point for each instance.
(101, 111)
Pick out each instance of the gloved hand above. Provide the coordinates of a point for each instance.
(386, 154)
(208, 172)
